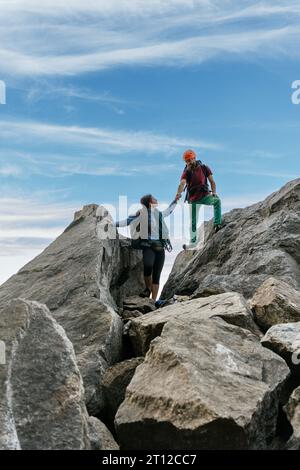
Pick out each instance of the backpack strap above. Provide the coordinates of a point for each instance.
(160, 225)
(189, 173)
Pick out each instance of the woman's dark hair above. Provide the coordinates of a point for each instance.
(146, 200)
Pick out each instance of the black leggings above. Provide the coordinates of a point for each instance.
(153, 263)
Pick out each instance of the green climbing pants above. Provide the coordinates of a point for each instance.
(208, 200)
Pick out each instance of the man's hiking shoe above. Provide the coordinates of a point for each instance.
(145, 293)
(160, 303)
(218, 227)
(189, 246)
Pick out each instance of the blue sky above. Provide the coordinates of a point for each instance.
(103, 97)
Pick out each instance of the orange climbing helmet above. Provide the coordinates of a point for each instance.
(189, 155)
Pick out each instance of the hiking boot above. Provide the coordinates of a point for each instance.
(189, 246)
(218, 227)
(160, 303)
(145, 293)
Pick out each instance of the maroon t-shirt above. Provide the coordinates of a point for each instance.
(199, 176)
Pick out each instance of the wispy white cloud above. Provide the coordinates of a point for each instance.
(71, 91)
(43, 89)
(44, 233)
(62, 165)
(243, 200)
(260, 172)
(266, 154)
(89, 151)
(30, 211)
(74, 37)
(93, 169)
(27, 226)
(187, 51)
(10, 170)
(108, 140)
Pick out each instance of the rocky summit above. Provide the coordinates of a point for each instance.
(89, 364)
(257, 242)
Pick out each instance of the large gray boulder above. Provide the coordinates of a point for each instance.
(284, 339)
(293, 413)
(42, 398)
(231, 306)
(204, 384)
(115, 381)
(275, 302)
(100, 437)
(259, 241)
(82, 278)
(141, 304)
(129, 314)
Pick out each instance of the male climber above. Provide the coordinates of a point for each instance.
(195, 179)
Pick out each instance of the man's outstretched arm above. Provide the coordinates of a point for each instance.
(212, 185)
(180, 189)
